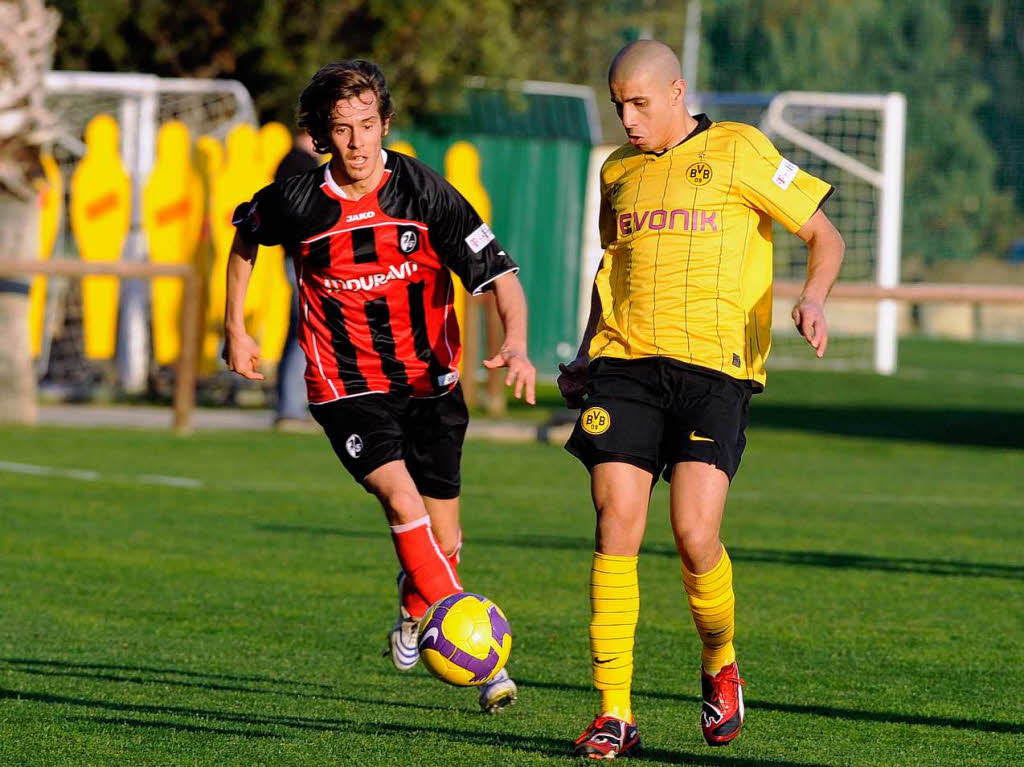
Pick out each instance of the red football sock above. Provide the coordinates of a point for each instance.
(429, 571)
(412, 601)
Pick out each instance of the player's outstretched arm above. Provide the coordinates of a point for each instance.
(511, 304)
(825, 250)
(241, 352)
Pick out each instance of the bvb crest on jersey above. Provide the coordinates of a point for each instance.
(699, 173)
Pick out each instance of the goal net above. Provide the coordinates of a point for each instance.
(140, 104)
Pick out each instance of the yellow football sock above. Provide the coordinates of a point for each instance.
(614, 608)
(713, 606)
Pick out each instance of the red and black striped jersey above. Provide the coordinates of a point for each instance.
(374, 287)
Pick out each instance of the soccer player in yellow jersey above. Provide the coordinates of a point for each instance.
(678, 335)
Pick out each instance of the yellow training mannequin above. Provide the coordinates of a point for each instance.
(239, 178)
(403, 147)
(209, 161)
(275, 142)
(172, 195)
(100, 217)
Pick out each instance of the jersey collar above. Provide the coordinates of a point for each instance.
(703, 123)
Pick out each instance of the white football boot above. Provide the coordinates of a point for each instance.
(498, 693)
(404, 635)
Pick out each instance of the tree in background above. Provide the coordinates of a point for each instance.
(273, 47)
(993, 33)
(952, 206)
(27, 31)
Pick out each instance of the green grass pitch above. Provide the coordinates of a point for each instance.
(875, 528)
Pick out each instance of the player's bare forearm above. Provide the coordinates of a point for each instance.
(241, 261)
(241, 352)
(825, 251)
(591, 328)
(574, 377)
(510, 301)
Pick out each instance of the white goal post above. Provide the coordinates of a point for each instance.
(887, 179)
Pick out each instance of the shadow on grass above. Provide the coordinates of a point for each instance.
(831, 712)
(56, 668)
(986, 428)
(162, 670)
(824, 559)
(176, 726)
(533, 744)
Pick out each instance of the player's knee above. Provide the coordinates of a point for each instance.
(698, 547)
(619, 532)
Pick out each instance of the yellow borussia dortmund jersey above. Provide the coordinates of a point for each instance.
(687, 268)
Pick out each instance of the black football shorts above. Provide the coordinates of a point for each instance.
(371, 430)
(656, 412)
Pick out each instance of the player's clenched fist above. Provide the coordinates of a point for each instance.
(242, 355)
(572, 383)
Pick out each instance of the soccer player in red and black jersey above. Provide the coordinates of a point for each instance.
(375, 234)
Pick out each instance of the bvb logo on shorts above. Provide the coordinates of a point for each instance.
(699, 173)
(595, 420)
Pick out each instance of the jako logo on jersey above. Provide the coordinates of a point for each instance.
(371, 281)
(354, 445)
(655, 220)
(359, 216)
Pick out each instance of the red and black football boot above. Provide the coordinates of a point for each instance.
(606, 738)
(721, 714)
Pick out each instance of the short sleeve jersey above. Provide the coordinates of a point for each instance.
(375, 292)
(687, 268)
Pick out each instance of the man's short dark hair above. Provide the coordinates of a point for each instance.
(336, 82)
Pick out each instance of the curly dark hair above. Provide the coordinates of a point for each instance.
(338, 82)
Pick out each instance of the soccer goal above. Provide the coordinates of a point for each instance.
(140, 104)
(856, 143)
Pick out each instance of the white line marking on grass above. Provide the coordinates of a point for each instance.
(160, 479)
(24, 468)
(87, 475)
